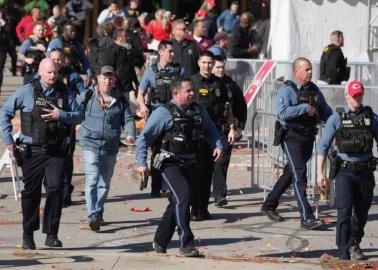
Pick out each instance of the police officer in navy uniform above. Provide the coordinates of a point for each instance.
(75, 84)
(177, 129)
(300, 107)
(355, 127)
(74, 54)
(32, 51)
(239, 111)
(157, 80)
(47, 107)
(213, 94)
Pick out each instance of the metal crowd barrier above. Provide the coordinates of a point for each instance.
(268, 161)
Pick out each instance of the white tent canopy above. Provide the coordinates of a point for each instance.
(303, 27)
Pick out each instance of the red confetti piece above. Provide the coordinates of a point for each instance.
(145, 209)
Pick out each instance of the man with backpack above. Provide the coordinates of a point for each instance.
(105, 111)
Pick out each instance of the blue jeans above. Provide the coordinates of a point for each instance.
(98, 173)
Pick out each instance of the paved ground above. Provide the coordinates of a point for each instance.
(238, 237)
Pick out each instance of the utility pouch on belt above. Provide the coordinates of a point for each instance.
(279, 133)
(334, 164)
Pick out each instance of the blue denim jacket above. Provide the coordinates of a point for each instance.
(101, 129)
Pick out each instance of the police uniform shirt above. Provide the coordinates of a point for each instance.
(200, 82)
(148, 80)
(160, 121)
(332, 125)
(23, 99)
(288, 106)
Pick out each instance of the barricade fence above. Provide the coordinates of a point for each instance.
(268, 161)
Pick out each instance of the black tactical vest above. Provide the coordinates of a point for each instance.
(186, 133)
(71, 53)
(35, 54)
(217, 100)
(305, 95)
(163, 78)
(32, 124)
(355, 134)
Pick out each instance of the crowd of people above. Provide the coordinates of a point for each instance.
(193, 112)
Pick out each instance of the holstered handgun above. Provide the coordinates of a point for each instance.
(279, 133)
(20, 151)
(334, 162)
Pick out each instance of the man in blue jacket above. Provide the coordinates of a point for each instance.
(177, 128)
(300, 107)
(105, 112)
(47, 108)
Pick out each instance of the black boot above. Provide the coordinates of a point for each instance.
(52, 240)
(28, 241)
(189, 251)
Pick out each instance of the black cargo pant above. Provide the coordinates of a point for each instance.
(353, 196)
(298, 150)
(220, 171)
(177, 180)
(69, 165)
(204, 170)
(42, 166)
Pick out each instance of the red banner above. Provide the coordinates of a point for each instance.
(258, 81)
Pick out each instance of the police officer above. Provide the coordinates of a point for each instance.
(212, 93)
(300, 107)
(32, 51)
(75, 84)
(177, 128)
(46, 110)
(355, 127)
(333, 65)
(157, 79)
(73, 51)
(239, 110)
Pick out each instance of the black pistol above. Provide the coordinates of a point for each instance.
(144, 181)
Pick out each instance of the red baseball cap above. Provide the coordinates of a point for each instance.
(354, 88)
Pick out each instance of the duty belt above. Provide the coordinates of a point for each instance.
(359, 166)
(305, 131)
(45, 147)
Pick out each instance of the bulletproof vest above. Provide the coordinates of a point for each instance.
(35, 54)
(186, 133)
(71, 53)
(77, 6)
(217, 100)
(32, 124)
(355, 134)
(163, 78)
(307, 94)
